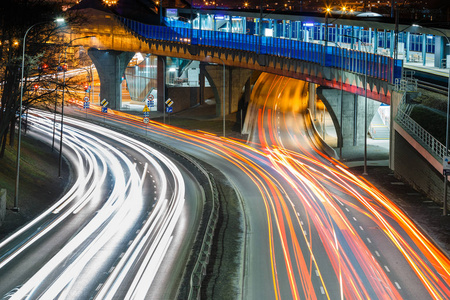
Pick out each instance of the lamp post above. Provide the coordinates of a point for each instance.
(223, 101)
(341, 136)
(223, 96)
(16, 192)
(444, 208)
(62, 104)
(365, 104)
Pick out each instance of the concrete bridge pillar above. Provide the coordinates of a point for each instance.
(110, 66)
(235, 80)
(352, 126)
(441, 51)
(161, 83)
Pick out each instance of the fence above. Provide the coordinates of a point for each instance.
(435, 147)
(377, 66)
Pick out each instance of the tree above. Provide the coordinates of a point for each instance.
(42, 57)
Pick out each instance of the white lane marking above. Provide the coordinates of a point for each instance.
(317, 273)
(369, 240)
(377, 253)
(322, 290)
(360, 227)
(398, 285)
(387, 269)
(347, 209)
(354, 219)
(144, 172)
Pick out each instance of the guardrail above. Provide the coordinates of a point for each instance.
(435, 147)
(378, 66)
(202, 260)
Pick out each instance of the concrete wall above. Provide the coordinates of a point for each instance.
(235, 80)
(353, 115)
(412, 167)
(185, 97)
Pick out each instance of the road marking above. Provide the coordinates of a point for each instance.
(129, 243)
(99, 287)
(137, 231)
(112, 269)
(347, 209)
(144, 172)
(121, 254)
(322, 290)
(387, 269)
(360, 227)
(317, 273)
(354, 219)
(398, 285)
(378, 254)
(304, 232)
(369, 240)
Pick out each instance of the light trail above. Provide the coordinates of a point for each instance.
(307, 197)
(117, 215)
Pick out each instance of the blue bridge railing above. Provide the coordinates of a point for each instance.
(378, 66)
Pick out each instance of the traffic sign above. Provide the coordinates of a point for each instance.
(146, 120)
(104, 102)
(151, 103)
(169, 109)
(86, 98)
(151, 97)
(446, 165)
(104, 109)
(86, 104)
(146, 113)
(146, 109)
(169, 102)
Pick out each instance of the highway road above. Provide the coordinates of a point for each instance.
(107, 237)
(313, 229)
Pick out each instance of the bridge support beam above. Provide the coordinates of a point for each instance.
(110, 66)
(235, 80)
(161, 83)
(352, 126)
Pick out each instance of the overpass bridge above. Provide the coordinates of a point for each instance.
(337, 54)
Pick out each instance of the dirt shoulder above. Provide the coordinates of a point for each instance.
(39, 184)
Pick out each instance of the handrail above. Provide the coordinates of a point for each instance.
(378, 66)
(433, 145)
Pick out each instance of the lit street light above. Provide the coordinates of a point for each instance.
(16, 196)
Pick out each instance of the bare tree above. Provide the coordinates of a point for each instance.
(43, 48)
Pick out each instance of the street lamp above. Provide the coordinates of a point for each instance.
(447, 123)
(16, 196)
(365, 104)
(342, 101)
(223, 100)
(62, 104)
